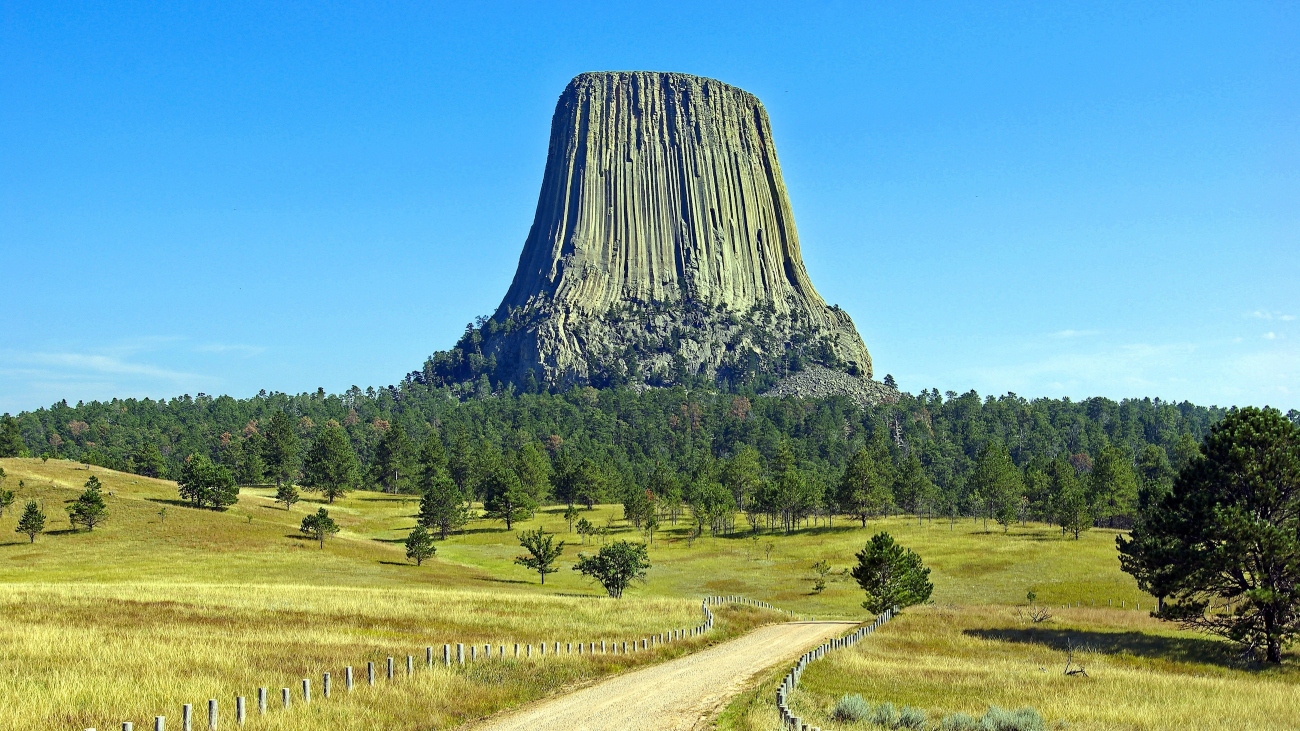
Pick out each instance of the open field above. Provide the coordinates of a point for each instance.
(150, 611)
(1141, 673)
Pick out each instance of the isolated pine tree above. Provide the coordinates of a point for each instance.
(88, 509)
(319, 525)
(542, 552)
(419, 545)
(32, 521)
(892, 576)
(287, 494)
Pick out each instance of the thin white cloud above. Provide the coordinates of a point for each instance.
(95, 363)
(1271, 336)
(246, 351)
(1063, 334)
(1271, 315)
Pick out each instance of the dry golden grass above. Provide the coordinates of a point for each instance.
(148, 612)
(1141, 673)
(145, 613)
(94, 655)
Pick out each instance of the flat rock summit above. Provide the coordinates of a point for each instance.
(663, 249)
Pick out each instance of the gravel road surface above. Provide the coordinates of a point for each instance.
(678, 695)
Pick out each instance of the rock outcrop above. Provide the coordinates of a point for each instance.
(663, 247)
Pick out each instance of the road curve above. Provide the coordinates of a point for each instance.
(679, 695)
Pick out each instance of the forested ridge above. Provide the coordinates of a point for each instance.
(675, 440)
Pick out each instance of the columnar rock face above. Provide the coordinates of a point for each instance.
(663, 241)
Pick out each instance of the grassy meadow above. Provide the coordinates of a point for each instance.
(166, 604)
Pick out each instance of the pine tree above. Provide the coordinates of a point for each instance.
(997, 484)
(863, 491)
(281, 449)
(1069, 498)
(89, 509)
(331, 466)
(534, 470)
(32, 521)
(393, 457)
(11, 438)
(419, 545)
(1113, 487)
(542, 552)
(252, 467)
(1230, 533)
(287, 494)
(892, 576)
(319, 526)
(505, 498)
(149, 461)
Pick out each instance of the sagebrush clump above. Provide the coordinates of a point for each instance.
(851, 707)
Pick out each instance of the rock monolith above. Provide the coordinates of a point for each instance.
(663, 247)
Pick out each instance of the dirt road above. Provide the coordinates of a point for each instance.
(679, 695)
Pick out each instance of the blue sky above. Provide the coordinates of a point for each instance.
(1053, 199)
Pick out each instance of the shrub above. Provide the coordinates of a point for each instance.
(886, 715)
(851, 707)
(910, 717)
(960, 722)
(1021, 719)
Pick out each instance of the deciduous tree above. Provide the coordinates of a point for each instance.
(207, 484)
(616, 566)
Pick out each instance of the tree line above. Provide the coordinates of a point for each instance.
(704, 454)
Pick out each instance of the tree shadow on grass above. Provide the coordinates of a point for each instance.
(180, 504)
(495, 580)
(1140, 644)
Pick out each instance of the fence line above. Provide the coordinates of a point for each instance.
(458, 659)
(788, 683)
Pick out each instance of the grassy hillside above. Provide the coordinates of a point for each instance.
(152, 610)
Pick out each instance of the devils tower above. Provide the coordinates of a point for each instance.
(663, 248)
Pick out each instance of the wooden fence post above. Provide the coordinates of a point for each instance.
(428, 657)
(306, 691)
(370, 673)
(325, 685)
(239, 710)
(284, 698)
(127, 726)
(261, 701)
(187, 712)
(410, 666)
(159, 723)
(390, 668)
(347, 678)
(460, 653)
(212, 714)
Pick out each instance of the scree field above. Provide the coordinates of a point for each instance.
(165, 604)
